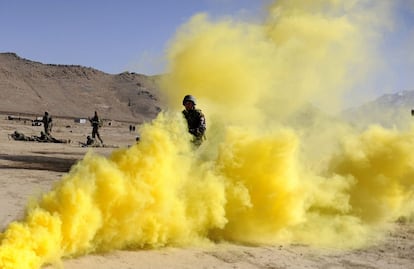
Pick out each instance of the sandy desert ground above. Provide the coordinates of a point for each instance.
(31, 168)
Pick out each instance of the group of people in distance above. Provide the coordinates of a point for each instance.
(95, 121)
(45, 135)
(196, 123)
(195, 118)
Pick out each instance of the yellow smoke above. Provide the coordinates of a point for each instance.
(268, 173)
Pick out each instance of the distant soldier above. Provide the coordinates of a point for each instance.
(43, 137)
(50, 139)
(195, 119)
(96, 124)
(90, 142)
(20, 136)
(47, 123)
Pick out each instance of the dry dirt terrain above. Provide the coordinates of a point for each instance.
(31, 168)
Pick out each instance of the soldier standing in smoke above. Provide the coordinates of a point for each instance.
(195, 119)
(96, 124)
(47, 123)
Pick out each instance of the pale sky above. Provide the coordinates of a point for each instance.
(111, 36)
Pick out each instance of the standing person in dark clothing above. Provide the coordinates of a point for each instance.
(47, 123)
(96, 124)
(195, 119)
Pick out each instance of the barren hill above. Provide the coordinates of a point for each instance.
(30, 88)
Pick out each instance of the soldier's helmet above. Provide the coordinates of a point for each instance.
(189, 98)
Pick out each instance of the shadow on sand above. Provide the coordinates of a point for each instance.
(35, 162)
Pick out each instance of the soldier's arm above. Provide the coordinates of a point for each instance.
(202, 124)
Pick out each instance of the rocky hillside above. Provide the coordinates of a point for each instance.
(30, 88)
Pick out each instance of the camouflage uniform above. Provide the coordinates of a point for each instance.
(19, 136)
(49, 139)
(195, 119)
(47, 123)
(96, 124)
(91, 142)
(196, 124)
(43, 137)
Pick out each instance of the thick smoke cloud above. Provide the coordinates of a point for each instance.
(273, 169)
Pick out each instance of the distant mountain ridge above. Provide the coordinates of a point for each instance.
(29, 87)
(388, 110)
